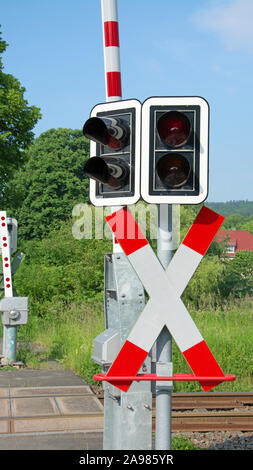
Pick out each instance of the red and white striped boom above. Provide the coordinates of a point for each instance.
(111, 50)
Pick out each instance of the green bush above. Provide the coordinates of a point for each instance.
(203, 288)
(62, 268)
(237, 279)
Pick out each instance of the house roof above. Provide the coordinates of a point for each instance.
(241, 239)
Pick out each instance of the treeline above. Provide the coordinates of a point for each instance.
(243, 208)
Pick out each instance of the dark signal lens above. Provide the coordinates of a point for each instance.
(96, 130)
(174, 128)
(114, 173)
(111, 132)
(173, 170)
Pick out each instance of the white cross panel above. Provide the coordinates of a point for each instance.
(165, 288)
(4, 244)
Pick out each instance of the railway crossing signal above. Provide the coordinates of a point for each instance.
(114, 164)
(174, 161)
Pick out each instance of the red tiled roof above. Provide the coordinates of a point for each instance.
(241, 239)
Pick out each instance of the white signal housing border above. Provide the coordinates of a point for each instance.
(112, 106)
(204, 146)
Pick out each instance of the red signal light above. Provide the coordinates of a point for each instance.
(174, 128)
(173, 170)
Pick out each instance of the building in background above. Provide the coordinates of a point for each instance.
(235, 240)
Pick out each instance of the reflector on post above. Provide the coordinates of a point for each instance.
(114, 163)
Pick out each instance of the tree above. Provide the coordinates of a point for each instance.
(233, 221)
(247, 224)
(43, 194)
(237, 279)
(17, 120)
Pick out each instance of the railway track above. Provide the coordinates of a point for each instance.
(210, 412)
(56, 409)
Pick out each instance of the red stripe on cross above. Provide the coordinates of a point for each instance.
(129, 361)
(114, 84)
(126, 230)
(203, 230)
(203, 363)
(111, 30)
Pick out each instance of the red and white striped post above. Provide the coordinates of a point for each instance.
(111, 50)
(9, 332)
(110, 26)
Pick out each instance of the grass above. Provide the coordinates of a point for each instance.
(229, 334)
(182, 443)
(68, 334)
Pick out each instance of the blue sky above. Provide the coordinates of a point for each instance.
(188, 47)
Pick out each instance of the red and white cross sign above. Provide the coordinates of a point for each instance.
(165, 306)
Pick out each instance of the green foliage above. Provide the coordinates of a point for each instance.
(233, 221)
(182, 443)
(203, 288)
(237, 279)
(17, 120)
(229, 334)
(187, 217)
(238, 222)
(68, 332)
(43, 194)
(64, 279)
(247, 224)
(244, 208)
(62, 268)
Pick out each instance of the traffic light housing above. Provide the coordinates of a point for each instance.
(114, 131)
(174, 156)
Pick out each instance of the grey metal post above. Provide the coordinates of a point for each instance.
(164, 341)
(127, 416)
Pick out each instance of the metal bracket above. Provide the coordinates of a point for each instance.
(164, 369)
(106, 347)
(14, 310)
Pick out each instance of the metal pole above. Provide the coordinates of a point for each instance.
(164, 340)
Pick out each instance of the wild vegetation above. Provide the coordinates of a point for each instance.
(63, 278)
(41, 181)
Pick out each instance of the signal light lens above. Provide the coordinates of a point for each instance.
(173, 170)
(112, 132)
(174, 128)
(113, 174)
